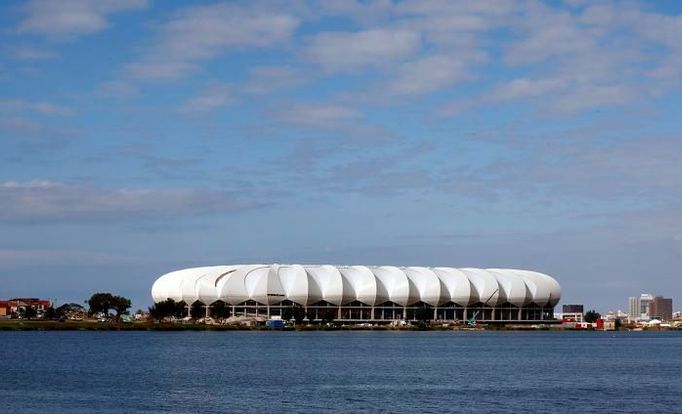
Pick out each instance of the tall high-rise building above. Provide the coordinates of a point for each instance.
(644, 302)
(634, 309)
(661, 308)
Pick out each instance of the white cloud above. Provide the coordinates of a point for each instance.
(522, 88)
(21, 127)
(22, 106)
(455, 8)
(160, 70)
(212, 98)
(598, 14)
(266, 79)
(30, 53)
(441, 19)
(349, 51)
(203, 32)
(364, 10)
(666, 31)
(67, 18)
(549, 41)
(544, 33)
(598, 57)
(591, 96)
(429, 74)
(319, 116)
(425, 47)
(118, 89)
(49, 201)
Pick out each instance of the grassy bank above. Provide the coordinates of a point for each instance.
(14, 325)
(38, 325)
(24, 325)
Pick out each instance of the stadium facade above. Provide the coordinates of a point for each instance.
(378, 294)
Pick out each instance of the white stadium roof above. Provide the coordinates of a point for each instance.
(371, 285)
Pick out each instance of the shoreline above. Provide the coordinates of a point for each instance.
(24, 325)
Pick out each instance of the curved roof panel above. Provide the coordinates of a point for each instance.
(485, 284)
(363, 283)
(456, 284)
(538, 286)
(427, 283)
(395, 283)
(330, 282)
(512, 287)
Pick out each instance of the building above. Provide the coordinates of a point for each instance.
(644, 301)
(661, 308)
(362, 293)
(4, 308)
(573, 308)
(573, 313)
(634, 309)
(617, 315)
(8, 307)
(610, 325)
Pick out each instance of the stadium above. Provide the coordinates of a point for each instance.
(358, 294)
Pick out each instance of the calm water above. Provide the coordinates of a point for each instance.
(215, 372)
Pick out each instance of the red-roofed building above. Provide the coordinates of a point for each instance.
(8, 307)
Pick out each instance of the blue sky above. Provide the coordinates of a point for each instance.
(137, 137)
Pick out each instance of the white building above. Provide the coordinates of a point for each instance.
(645, 300)
(634, 309)
(362, 293)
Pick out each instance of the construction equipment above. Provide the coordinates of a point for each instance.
(472, 321)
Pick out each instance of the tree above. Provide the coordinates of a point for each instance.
(50, 313)
(67, 308)
(104, 302)
(423, 314)
(100, 303)
(156, 311)
(220, 310)
(591, 316)
(167, 308)
(120, 305)
(288, 313)
(197, 310)
(295, 312)
(29, 312)
(298, 314)
(327, 315)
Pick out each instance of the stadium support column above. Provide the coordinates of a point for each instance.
(208, 311)
(464, 315)
(371, 316)
(405, 313)
(519, 317)
(435, 313)
(267, 310)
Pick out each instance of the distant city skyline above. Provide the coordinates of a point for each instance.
(138, 137)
